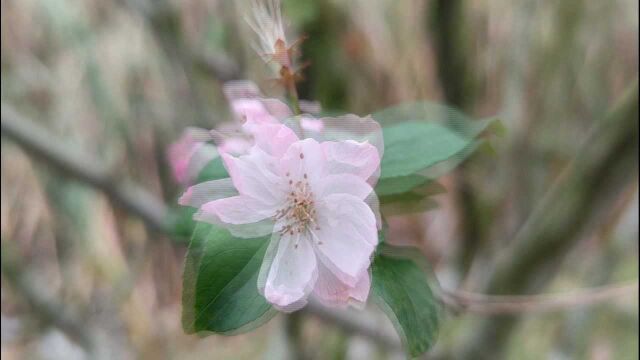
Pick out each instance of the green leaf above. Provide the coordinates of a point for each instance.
(220, 284)
(183, 224)
(182, 216)
(398, 185)
(214, 170)
(413, 146)
(408, 203)
(400, 288)
(426, 138)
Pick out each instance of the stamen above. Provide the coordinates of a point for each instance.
(299, 214)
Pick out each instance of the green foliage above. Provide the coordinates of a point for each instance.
(414, 146)
(214, 170)
(220, 292)
(400, 184)
(400, 288)
(423, 141)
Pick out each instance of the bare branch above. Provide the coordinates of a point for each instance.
(483, 304)
(35, 139)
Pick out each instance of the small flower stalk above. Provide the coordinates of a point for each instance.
(273, 47)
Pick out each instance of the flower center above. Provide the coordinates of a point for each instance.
(299, 213)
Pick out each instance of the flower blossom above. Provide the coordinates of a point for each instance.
(194, 149)
(314, 197)
(190, 154)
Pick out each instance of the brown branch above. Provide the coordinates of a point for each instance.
(35, 139)
(483, 304)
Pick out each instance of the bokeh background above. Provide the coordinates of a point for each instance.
(118, 81)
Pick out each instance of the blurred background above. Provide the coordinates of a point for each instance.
(117, 81)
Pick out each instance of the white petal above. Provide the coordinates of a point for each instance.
(344, 184)
(198, 195)
(333, 292)
(352, 127)
(234, 210)
(254, 175)
(304, 157)
(292, 273)
(274, 139)
(346, 236)
(351, 157)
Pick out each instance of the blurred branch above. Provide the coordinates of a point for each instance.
(35, 140)
(607, 162)
(475, 303)
(46, 309)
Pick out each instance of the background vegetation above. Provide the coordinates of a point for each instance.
(552, 206)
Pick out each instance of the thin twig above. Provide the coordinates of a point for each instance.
(476, 303)
(37, 141)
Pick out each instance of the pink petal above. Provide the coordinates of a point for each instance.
(292, 273)
(351, 157)
(274, 139)
(352, 127)
(346, 236)
(344, 184)
(277, 108)
(234, 210)
(304, 158)
(255, 175)
(332, 292)
(190, 154)
(252, 110)
(198, 195)
(234, 146)
(309, 124)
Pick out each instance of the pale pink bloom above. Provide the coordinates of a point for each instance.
(194, 149)
(190, 154)
(314, 198)
(311, 124)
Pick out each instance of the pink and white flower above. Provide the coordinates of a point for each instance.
(190, 154)
(195, 148)
(315, 198)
